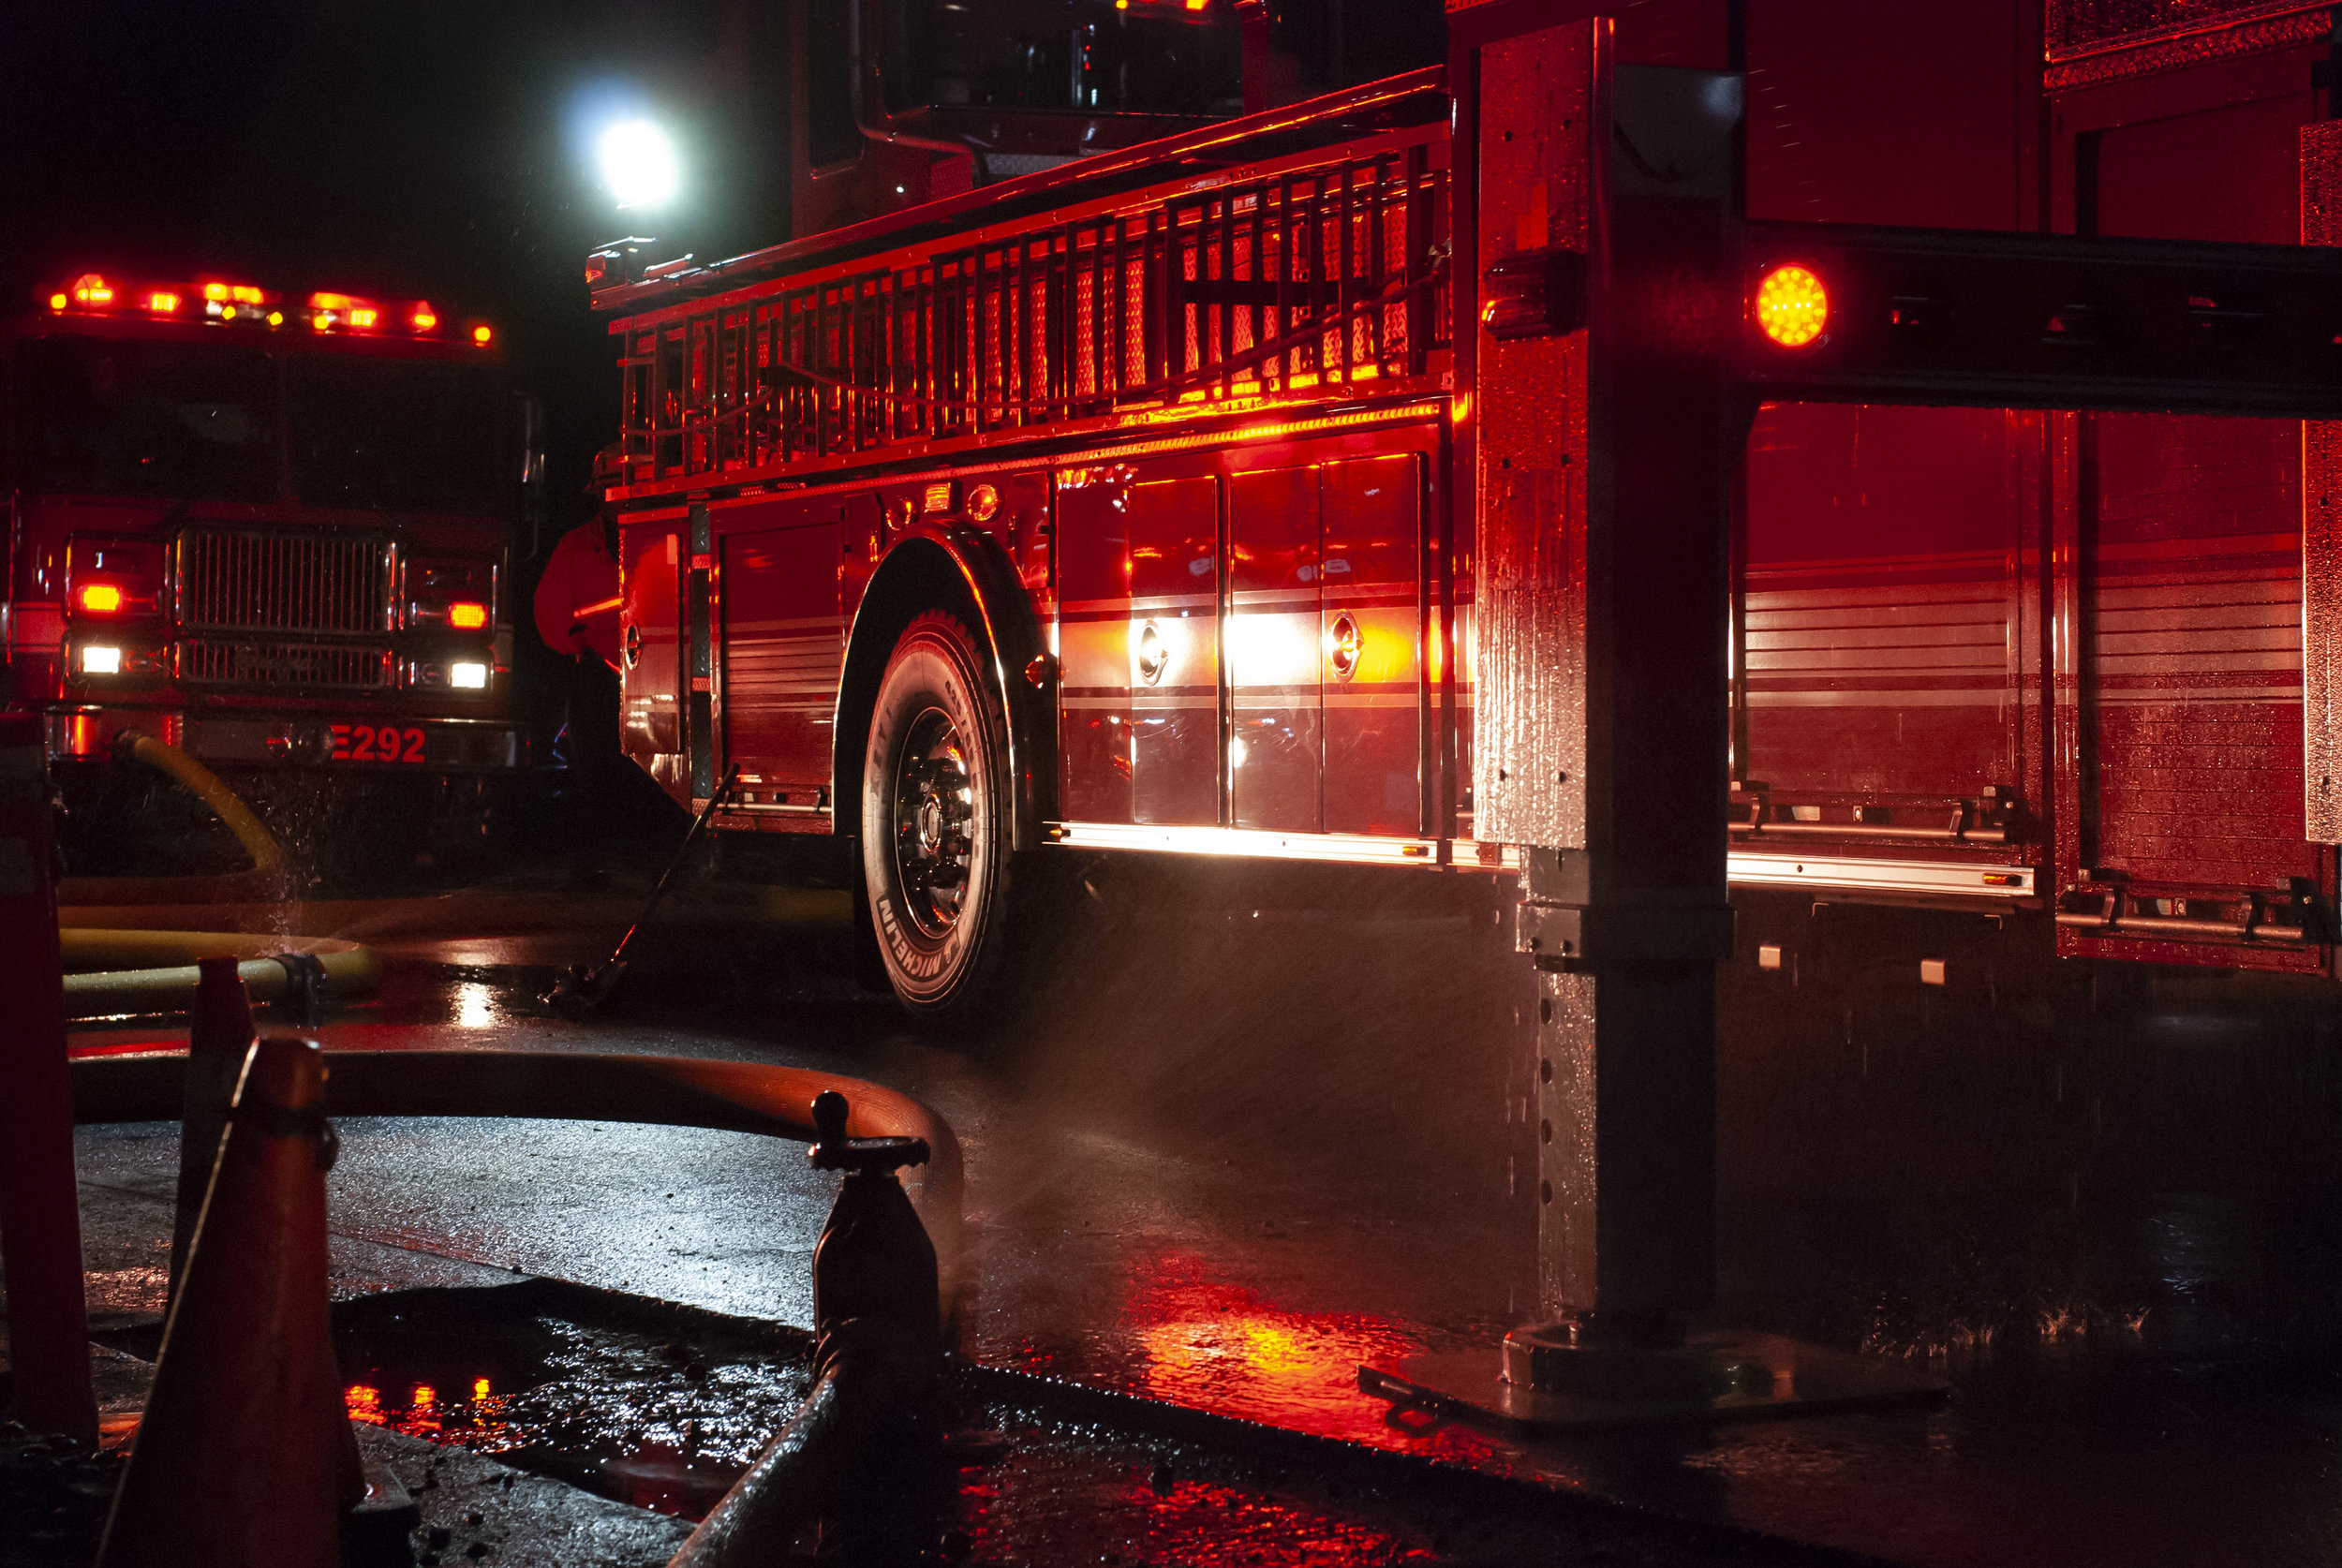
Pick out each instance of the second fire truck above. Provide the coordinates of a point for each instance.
(274, 530)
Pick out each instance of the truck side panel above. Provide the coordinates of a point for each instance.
(1174, 648)
(1883, 608)
(782, 647)
(1375, 608)
(1093, 546)
(1275, 754)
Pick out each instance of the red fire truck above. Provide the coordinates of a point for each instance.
(272, 529)
(1258, 490)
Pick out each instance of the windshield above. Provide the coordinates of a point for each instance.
(1152, 56)
(382, 432)
(106, 416)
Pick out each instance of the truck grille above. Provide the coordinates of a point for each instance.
(250, 581)
(284, 666)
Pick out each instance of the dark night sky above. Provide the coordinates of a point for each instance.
(427, 148)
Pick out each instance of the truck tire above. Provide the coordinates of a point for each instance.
(936, 824)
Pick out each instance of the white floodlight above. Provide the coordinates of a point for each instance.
(637, 163)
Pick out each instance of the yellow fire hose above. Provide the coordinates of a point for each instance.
(264, 881)
(111, 970)
(155, 971)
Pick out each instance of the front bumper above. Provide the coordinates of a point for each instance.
(380, 743)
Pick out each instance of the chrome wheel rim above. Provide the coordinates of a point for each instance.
(934, 819)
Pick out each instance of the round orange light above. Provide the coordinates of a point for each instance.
(481, 335)
(1791, 306)
(100, 598)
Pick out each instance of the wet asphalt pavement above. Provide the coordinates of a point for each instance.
(1251, 1134)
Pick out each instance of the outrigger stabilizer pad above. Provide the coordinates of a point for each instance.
(1559, 1378)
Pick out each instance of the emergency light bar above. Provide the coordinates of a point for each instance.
(245, 305)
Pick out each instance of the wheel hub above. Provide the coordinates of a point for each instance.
(934, 816)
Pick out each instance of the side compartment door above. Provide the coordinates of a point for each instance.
(1174, 642)
(650, 717)
(2181, 718)
(1274, 752)
(1372, 695)
(1886, 638)
(780, 648)
(1094, 546)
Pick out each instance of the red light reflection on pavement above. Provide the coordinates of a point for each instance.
(478, 1422)
(130, 1048)
(1221, 1346)
(1056, 1507)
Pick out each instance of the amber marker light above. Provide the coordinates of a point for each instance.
(1792, 307)
(465, 616)
(483, 336)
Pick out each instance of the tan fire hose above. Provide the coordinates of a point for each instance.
(113, 971)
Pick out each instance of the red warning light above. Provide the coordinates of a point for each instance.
(1791, 306)
(100, 598)
(466, 617)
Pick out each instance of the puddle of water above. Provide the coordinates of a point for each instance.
(664, 1408)
(662, 1412)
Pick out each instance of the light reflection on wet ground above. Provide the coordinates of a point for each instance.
(665, 1412)
(1232, 1158)
(657, 1414)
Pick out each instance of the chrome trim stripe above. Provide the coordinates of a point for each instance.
(1942, 878)
(1258, 845)
(1961, 877)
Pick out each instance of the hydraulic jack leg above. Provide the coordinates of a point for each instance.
(1598, 462)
